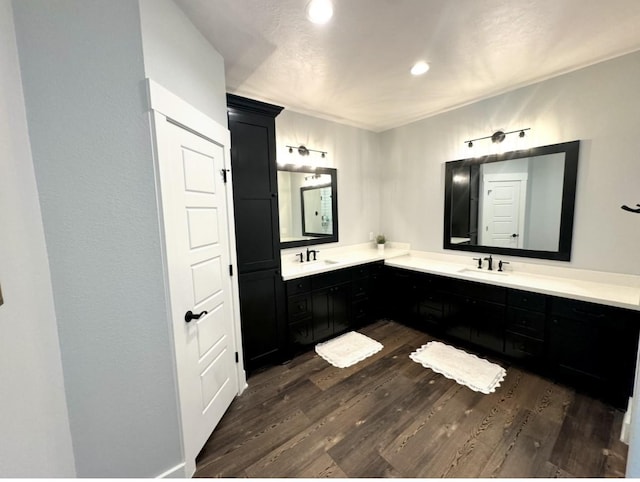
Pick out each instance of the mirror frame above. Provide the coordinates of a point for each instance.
(571, 150)
(330, 238)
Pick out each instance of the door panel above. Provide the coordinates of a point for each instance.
(197, 249)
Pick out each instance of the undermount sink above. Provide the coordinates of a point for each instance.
(481, 272)
(318, 264)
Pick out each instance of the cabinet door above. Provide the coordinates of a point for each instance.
(330, 311)
(340, 308)
(322, 319)
(262, 316)
(255, 187)
(487, 325)
(300, 335)
(403, 288)
(457, 317)
(594, 347)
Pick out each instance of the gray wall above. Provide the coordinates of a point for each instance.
(83, 72)
(35, 438)
(180, 59)
(355, 154)
(545, 197)
(594, 105)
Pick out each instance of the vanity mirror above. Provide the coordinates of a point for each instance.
(518, 203)
(308, 204)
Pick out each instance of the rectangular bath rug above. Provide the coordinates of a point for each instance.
(466, 369)
(348, 349)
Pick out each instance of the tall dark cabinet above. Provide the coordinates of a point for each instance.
(255, 200)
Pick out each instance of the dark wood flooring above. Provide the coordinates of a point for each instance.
(387, 416)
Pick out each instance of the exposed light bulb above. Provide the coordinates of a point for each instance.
(320, 11)
(419, 68)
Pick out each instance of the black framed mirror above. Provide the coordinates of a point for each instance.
(518, 203)
(308, 205)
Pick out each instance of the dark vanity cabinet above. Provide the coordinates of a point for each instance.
(325, 305)
(593, 346)
(255, 201)
(475, 313)
(525, 328)
(586, 345)
(255, 183)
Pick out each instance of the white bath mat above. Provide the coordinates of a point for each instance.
(348, 349)
(466, 369)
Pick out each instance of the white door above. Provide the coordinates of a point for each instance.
(197, 250)
(503, 213)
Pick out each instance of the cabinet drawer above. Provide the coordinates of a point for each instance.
(360, 311)
(527, 300)
(330, 279)
(361, 271)
(299, 307)
(301, 333)
(493, 294)
(430, 314)
(525, 322)
(360, 288)
(579, 310)
(523, 347)
(296, 286)
(433, 301)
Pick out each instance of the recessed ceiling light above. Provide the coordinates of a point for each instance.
(320, 11)
(419, 68)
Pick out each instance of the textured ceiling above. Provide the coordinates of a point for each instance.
(355, 69)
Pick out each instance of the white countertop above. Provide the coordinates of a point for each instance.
(597, 287)
(331, 259)
(611, 289)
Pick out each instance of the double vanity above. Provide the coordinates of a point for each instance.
(579, 327)
(575, 326)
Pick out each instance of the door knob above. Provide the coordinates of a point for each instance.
(188, 316)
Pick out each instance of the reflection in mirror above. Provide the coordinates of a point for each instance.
(519, 203)
(308, 205)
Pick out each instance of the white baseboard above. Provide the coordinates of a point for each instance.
(626, 423)
(176, 472)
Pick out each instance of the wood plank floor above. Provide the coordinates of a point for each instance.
(387, 416)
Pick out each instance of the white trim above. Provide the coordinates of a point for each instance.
(173, 107)
(177, 472)
(166, 104)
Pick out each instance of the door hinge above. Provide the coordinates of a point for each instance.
(230, 270)
(224, 174)
(237, 358)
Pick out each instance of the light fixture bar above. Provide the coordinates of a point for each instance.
(304, 151)
(498, 136)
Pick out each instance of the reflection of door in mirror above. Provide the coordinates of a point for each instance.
(518, 203)
(503, 203)
(316, 210)
(308, 203)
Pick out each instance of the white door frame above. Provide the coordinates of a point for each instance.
(164, 103)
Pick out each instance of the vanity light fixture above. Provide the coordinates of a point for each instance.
(320, 11)
(420, 68)
(498, 136)
(304, 151)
